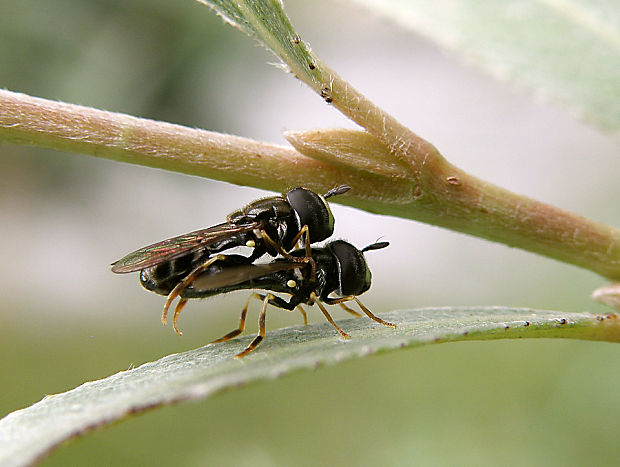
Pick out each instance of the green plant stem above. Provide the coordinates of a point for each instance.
(60, 126)
(437, 192)
(447, 196)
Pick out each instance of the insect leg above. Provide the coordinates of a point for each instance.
(269, 299)
(348, 298)
(177, 312)
(308, 248)
(349, 310)
(306, 259)
(267, 239)
(303, 313)
(186, 281)
(261, 326)
(331, 321)
(371, 316)
(304, 230)
(241, 327)
(340, 301)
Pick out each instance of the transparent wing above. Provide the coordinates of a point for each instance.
(174, 247)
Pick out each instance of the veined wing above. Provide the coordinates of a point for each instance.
(174, 247)
(231, 275)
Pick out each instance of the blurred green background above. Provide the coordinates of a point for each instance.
(64, 217)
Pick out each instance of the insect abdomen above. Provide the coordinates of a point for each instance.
(164, 277)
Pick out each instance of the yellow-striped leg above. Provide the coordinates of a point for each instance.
(371, 316)
(177, 312)
(187, 280)
(350, 310)
(241, 327)
(303, 313)
(348, 298)
(261, 326)
(308, 259)
(329, 318)
(306, 242)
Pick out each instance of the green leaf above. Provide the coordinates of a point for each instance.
(28, 434)
(266, 21)
(566, 49)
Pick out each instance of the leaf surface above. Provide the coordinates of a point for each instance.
(28, 434)
(568, 50)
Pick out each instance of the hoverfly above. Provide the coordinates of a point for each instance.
(341, 270)
(271, 225)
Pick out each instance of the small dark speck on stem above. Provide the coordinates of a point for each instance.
(326, 94)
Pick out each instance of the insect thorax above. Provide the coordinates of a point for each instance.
(275, 207)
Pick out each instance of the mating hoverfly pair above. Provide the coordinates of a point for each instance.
(194, 265)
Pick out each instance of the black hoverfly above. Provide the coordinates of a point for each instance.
(341, 270)
(271, 225)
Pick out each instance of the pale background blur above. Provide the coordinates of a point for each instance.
(64, 217)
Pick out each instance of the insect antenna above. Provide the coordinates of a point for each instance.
(375, 246)
(337, 191)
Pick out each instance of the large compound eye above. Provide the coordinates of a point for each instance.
(354, 274)
(313, 211)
